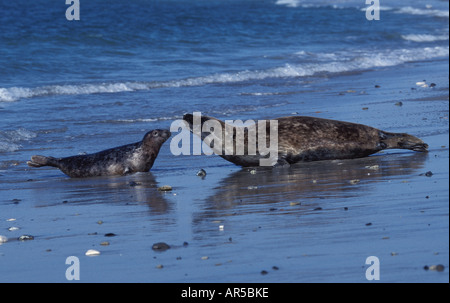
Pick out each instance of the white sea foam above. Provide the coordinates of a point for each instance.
(335, 62)
(10, 139)
(16, 93)
(423, 11)
(288, 3)
(424, 38)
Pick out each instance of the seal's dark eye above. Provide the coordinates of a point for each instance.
(155, 134)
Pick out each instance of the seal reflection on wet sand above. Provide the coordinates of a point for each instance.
(304, 139)
(126, 159)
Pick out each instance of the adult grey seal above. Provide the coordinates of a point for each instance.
(303, 138)
(126, 159)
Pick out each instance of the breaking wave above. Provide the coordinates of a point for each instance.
(306, 64)
(10, 139)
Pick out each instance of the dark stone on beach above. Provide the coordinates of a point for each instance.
(318, 208)
(439, 267)
(185, 243)
(133, 184)
(345, 208)
(16, 201)
(368, 224)
(201, 173)
(165, 188)
(26, 238)
(264, 272)
(275, 268)
(110, 235)
(377, 86)
(160, 246)
(427, 174)
(432, 84)
(399, 103)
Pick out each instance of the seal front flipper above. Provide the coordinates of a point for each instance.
(282, 163)
(39, 161)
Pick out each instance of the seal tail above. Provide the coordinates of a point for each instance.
(39, 161)
(402, 141)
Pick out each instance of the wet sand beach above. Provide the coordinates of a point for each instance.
(313, 222)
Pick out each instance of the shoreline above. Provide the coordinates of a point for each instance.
(312, 222)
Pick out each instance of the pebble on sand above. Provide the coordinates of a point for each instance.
(160, 246)
(26, 237)
(165, 188)
(439, 267)
(92, 252)
(3, 239)
(354, 181)
(427, 174)
(201, 173)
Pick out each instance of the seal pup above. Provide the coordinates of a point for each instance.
(302, 138)
(122, 160)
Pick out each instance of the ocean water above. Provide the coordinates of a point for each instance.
(127, 67)
(130, 66)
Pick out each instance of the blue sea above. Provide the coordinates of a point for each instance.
(69, 87)
(128, 66)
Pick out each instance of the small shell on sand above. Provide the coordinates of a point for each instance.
(92, 252)
(165, 188)
(161, 246)
(354, 181)
(201, 173)
(26, 237)
(3, 239)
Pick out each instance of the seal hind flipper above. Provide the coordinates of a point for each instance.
(39, 161)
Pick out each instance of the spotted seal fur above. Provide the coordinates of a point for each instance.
(126, 159)
(302, 138)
